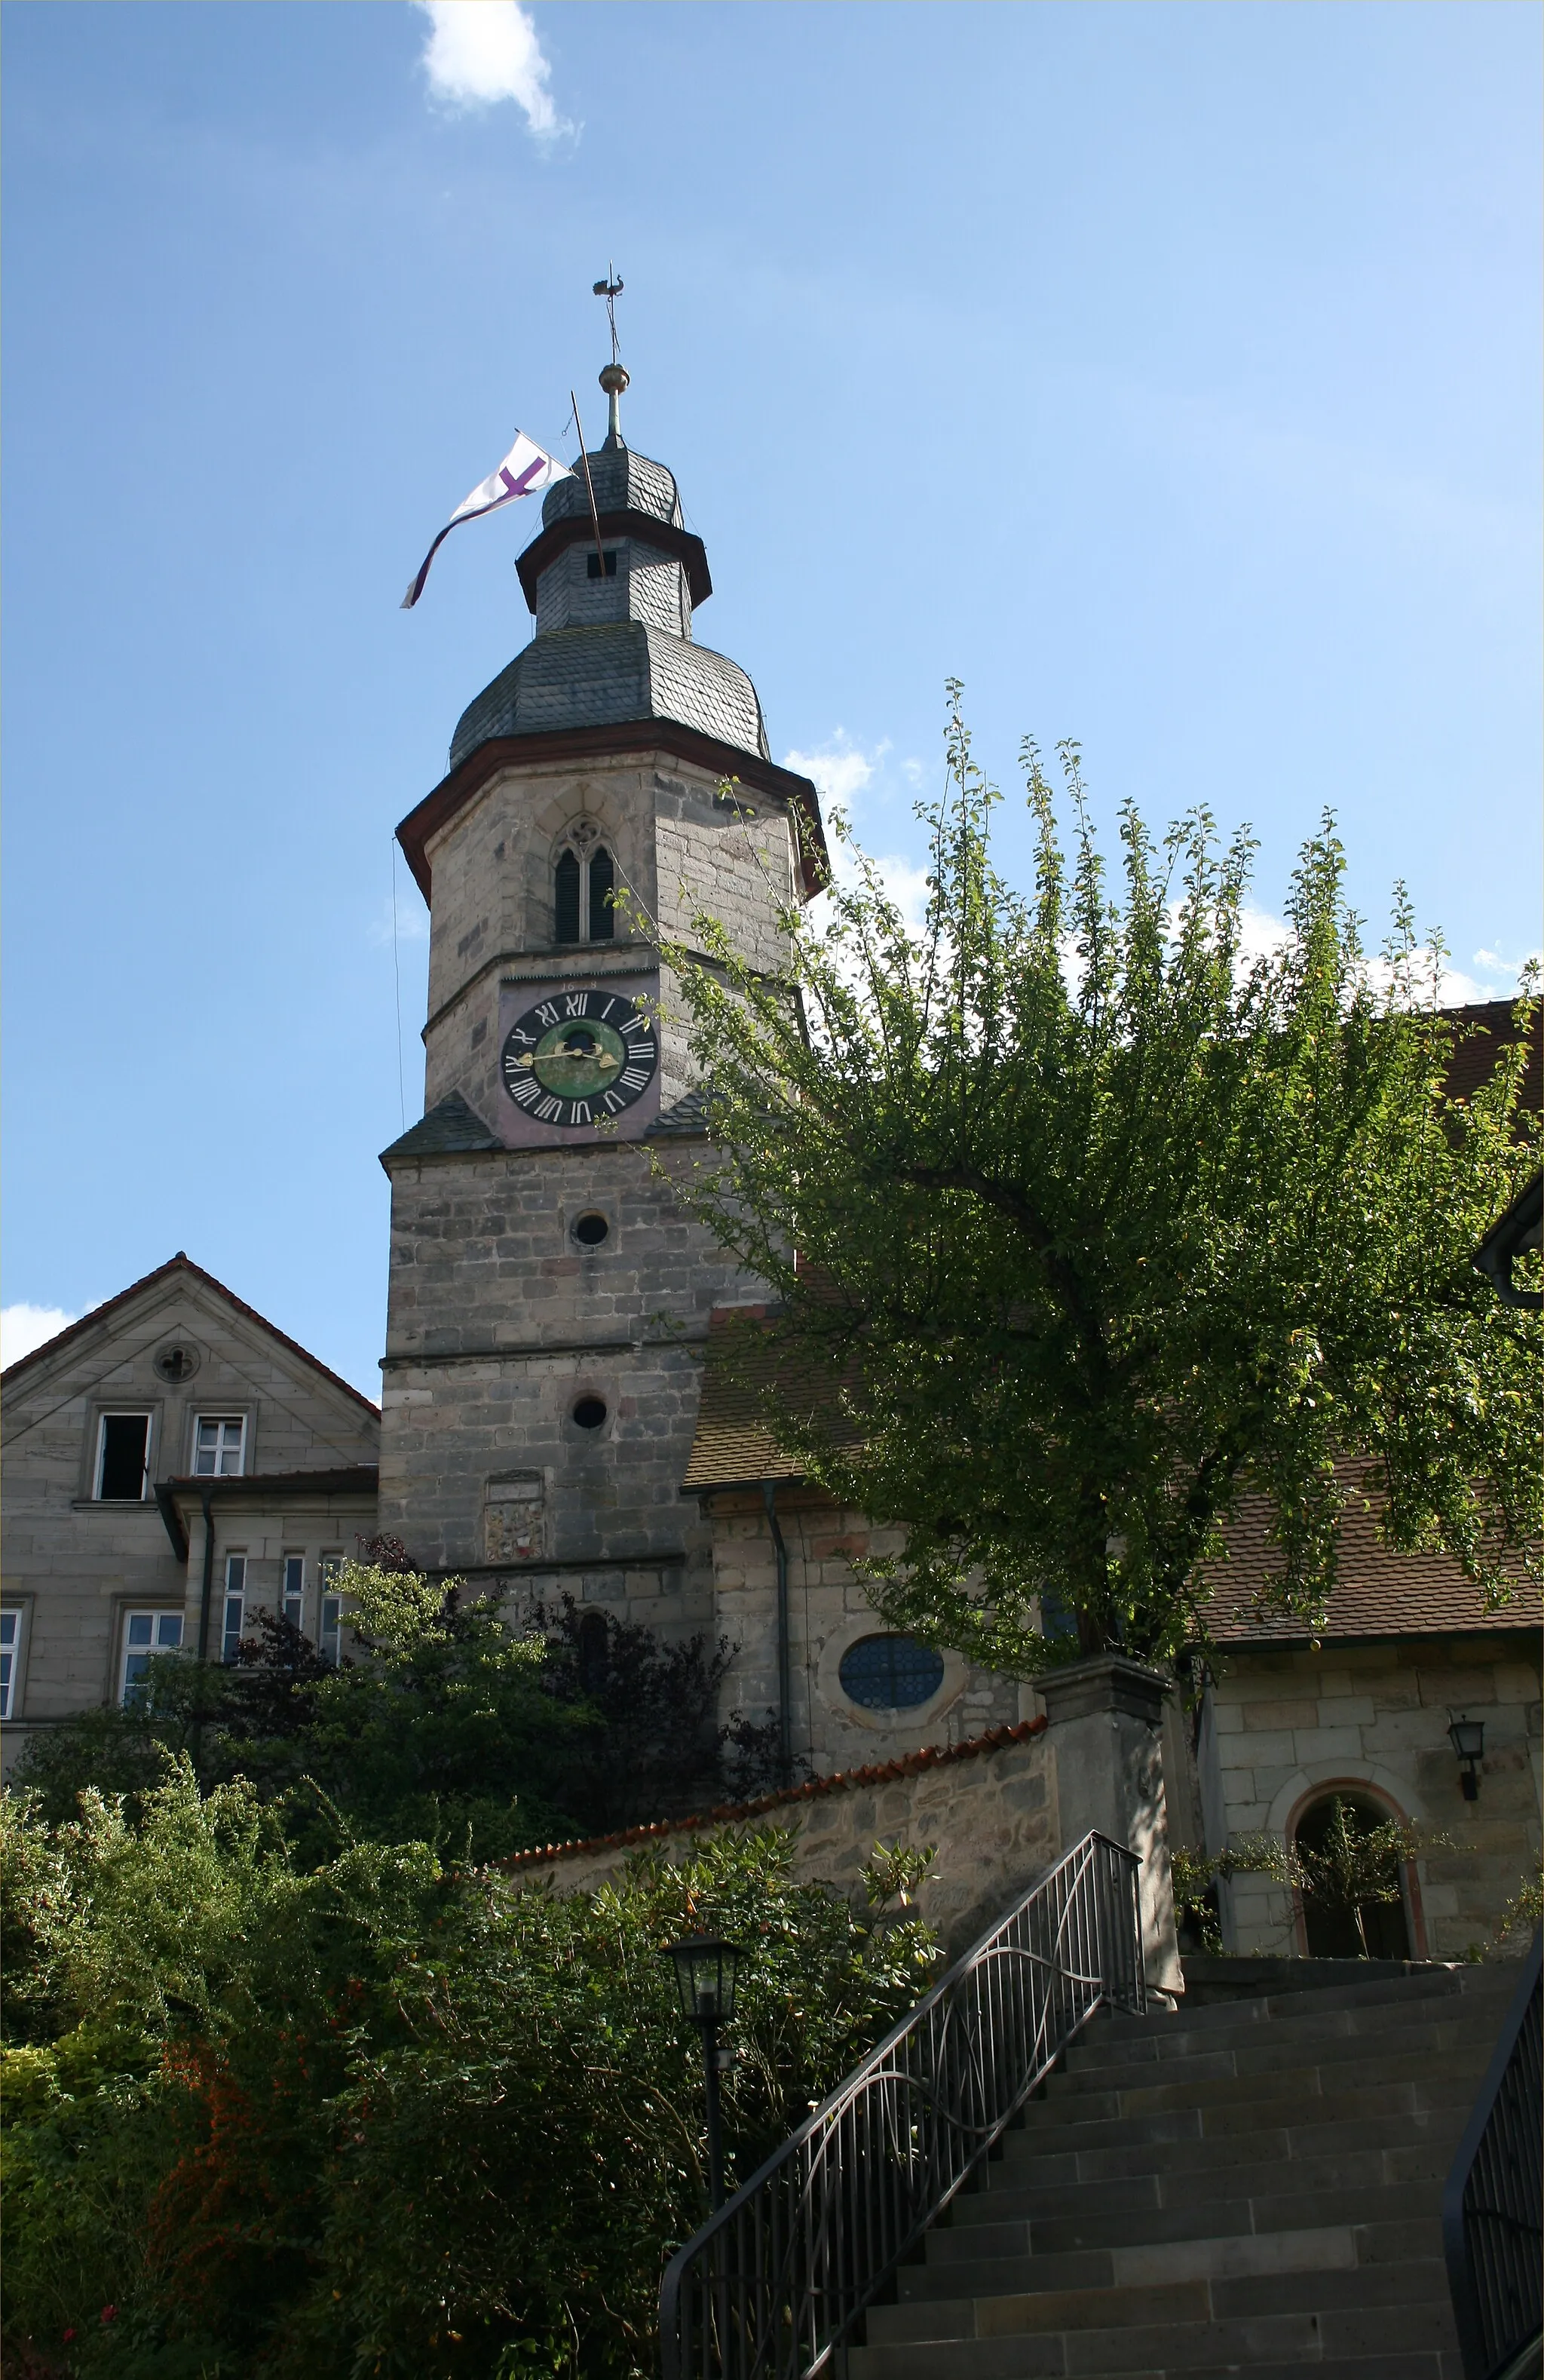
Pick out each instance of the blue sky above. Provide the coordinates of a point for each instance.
(1170, 374)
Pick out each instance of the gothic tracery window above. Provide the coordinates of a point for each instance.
(602, 885)
(585, 879)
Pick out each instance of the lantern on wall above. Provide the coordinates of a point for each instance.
(1468, 1739)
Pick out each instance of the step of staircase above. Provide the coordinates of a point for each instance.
(1250, 2187)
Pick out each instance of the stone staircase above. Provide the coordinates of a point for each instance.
(1249, 2187)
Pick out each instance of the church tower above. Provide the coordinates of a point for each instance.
(548, 1299)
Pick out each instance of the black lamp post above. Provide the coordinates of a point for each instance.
(1468, 1739)
(706, 1973)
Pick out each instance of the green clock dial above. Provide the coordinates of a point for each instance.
(579, 1057)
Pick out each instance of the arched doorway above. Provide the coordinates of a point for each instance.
(1352, 1869)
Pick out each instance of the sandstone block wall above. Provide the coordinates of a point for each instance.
(1281, 1727)
(991, 1813)
(499, 1320)
(828, 1611)
(678, 849)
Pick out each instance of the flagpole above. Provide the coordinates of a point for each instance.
(589, 484)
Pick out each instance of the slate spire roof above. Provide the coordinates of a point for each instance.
(617, 650)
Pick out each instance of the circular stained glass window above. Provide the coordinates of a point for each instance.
(890, 1673)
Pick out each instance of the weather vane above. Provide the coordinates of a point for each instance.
(611, 289)
(614, 375)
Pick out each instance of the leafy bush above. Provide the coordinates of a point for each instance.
(659, 1747)
(458, 1725)
(1349, 1871)
(376, 2113)
(1520, 1917)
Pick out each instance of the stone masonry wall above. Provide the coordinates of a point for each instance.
(493, 903)
(1281, 1727)
(499, 1320)
(828, 1610)
(677, 846)
(991, 1815)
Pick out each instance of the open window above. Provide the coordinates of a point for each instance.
(123, 1458)
(10, 1657)
(236, 1607)
(330, 1630)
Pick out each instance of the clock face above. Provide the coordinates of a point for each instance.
(579, 1057)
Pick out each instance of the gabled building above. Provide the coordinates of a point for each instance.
(1362, 1710)
(171, 1462)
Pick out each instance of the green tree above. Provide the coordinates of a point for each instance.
(1080, 1221)
(377, 2113)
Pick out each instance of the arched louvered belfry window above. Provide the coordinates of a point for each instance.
(567, 874)
(603, 876)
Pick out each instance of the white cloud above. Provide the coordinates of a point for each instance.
(1506, 971)
(479, 52)
(906, 886)
(412, 921)
(1263, 934)
(841, 769)
(24, 1327)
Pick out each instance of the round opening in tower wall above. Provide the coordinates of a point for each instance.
(589, 1413)
(590, 1230)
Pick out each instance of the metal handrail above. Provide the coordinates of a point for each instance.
(1493, 2204)
(771, 2286)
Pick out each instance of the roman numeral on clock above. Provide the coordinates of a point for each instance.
(579, 1057)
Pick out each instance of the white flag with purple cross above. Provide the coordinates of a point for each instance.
(525, 471)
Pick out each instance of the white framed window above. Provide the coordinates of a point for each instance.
(331, 1632)
(235, 1606)
(123, 1458)
(219, 1446)
(10, 1657)
(146, 1633)
(294, 1598)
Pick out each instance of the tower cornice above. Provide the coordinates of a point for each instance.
(617, 740)
(577, 528)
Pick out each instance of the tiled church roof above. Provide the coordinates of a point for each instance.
(1378, 1593)
(1474, 1056)
(733, 1446)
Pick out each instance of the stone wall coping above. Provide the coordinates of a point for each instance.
(840, 1781)
(1105, 1682)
